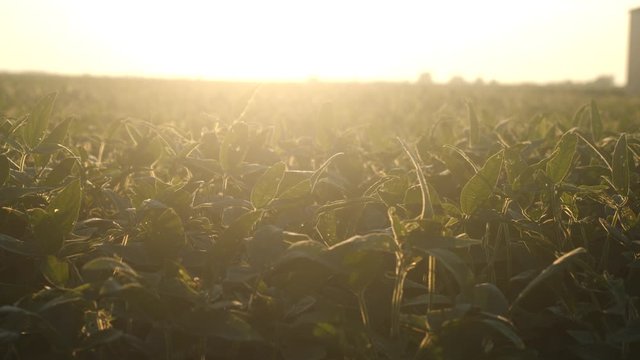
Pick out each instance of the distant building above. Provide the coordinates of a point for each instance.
(633, 65)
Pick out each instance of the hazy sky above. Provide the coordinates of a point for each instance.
(506, 40)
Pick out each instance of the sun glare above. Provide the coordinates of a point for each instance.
(333, 40)
(282, 40)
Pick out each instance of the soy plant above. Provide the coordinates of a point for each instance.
(41, 196)
(249, 241)
(41, 190)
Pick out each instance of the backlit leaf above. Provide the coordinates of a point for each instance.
(65, 206)
(234, 147)
(165, 235)
(47, 231)
(559, 265)
(16, 246)
(620, 166)
(38, 121)
(480, 187)
(267, 185)
(110, 265)
(60, 172)
(56, 271)
(316, 174)
(560, 162)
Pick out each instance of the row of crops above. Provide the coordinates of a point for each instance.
(463, 240)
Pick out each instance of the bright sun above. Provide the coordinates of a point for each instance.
(277, 39)
(330, 39)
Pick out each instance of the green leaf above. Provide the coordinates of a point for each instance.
(301, 189)
(57, 135)
(230, 242)
(60, 172)
(56, 271)
(473, 125)
(489, 298)
(628, 334)
(242, 226)
(595, 150)
(306, 249)
(458, 268)
(620, 166)
(480, 187)
(36, 125)
(596, 122)
(316, 174)
(65, 206)
(164, 236)
(556, 267)
(265, 247)
(19, 247)
(513, 163)
(110, 265)
(360, 258)
(4, 169)
(218, 324)
(146, 152)
(234, 147)
(560, 162)
(267, 185)
(47, 231)
(327, 227)
(506, 329)
(426, 299)
(443, 242)
(466, 160)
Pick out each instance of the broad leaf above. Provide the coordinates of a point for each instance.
(267, 185)
(234, 147)
(560, 162)
(242, 226)
(490, 299)
(559, 265)
(620, 166)
(56, 271)
(361, 259)
(34, 129)
(505, 329)
(480, 187)
(47, 231)
(110, 265)
(65, 206)
(316, 174)
(60, 172)
(266, 245)
(57, 135)
(13, 245)
(164, 235)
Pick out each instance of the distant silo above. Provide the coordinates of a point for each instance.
(633, 70)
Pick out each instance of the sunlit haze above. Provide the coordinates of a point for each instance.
(507, 41)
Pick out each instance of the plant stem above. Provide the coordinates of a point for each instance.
(396, 300)
(431, 281)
